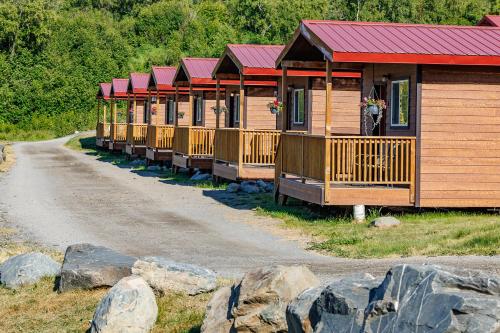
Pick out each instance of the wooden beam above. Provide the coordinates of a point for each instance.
(284, 99)
(242, 100)
(328, 130)
(176, 116)
(98, 109)
(104, 114)
(217, 103)
(158, 108)
(191, 108)
(134, 110)
(303, 64)
(228, 76)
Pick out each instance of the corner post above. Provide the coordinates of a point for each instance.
(158, 108)
(242, 100)
(98, 109)
(328, 129)
(113, 121)
(176, 111)
(217, 103)
(191, 105)
(284, 99)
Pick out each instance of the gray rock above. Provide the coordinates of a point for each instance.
(233, 187)
(385, 222)
(262, 184)
(298, 311)
(165, 275)
(154, 168)
(28, 268)
(201, 176)
(130, 306)
(138, 162)
(250, 187)
(87, 266)
(433, 299)
(218, 314)
(2, 153)
(270, 187)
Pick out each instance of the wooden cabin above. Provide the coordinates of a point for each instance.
(437, 144)
(118, 129)
(193, 142)
(161, 114)
(102, 127)
(137, 122)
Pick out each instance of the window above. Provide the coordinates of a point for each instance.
(298, 106)
(199, 108)
(170, 111)
(400, 103)
(236, 108)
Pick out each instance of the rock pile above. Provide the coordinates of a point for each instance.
(251, 187)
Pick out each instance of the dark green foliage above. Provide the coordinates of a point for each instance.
(53, 53)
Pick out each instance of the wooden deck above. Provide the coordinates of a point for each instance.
(347, 170)
(118, 137)
(242, 154)
(159, 142)
(193, 147)
(102, 135)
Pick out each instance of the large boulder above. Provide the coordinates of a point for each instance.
(218, 316)
(258, 302)
(28, 268)
(166, 275)
(433, 299)
(299, 309)
(130, 306)
(87, 266)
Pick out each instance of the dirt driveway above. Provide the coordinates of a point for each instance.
(60, 197)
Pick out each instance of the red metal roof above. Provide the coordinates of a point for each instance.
(138, 83)
(104, 90)
(256, 56)
(403, 43)
(200, 68)
(162, 77)
(490, 20)
(119, 88)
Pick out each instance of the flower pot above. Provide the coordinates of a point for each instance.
(274, 110)
(373, 109)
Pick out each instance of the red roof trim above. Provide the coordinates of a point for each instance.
(278, 72)
(397, 58)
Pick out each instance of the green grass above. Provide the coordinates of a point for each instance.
(428, 233)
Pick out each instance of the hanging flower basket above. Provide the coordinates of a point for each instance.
(153, 110)
(180, 115)
(222, 109)
(275, 107)
(372, 108)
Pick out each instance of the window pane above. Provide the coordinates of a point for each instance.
(400, 107)
(237, 108)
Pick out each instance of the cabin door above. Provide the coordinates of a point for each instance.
(234, 111)
(380, 93)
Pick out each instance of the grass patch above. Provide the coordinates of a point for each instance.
(429, 233)
(85, 143)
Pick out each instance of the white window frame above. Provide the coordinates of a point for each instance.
(394, 103)
(296, 120)
(236, 108)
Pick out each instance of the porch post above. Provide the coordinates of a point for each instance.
(134, 120)
(191, 103)
(328, 120)
(98, 109)
(158, 108)
(242, 100)
(217, 103)
(104, 114)
(284, 99)
(134, 110)
(176, 111)
(113, 121)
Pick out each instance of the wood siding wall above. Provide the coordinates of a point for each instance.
(184, 107)
(460, 137)
(160, 114)
(256, 114)
(346, 112)
(140, 110)
(375, 73)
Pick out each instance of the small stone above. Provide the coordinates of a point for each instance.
(165, 275)
(88, 266)
(154, 168)
(138, 162)
(249, 187)
(385, 222)
(26, 269)
(201, 176)
(233, 188)
(130, 306)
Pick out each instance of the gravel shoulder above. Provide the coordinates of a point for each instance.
(60, 197)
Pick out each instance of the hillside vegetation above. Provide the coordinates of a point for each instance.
(54, 52)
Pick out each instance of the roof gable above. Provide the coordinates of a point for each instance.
(138, 83)
(490, 20)
(401, 43)
(119, 88)
(162, 78)
(247, 57)
(104, 91)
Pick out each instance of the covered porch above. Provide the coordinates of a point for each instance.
(193, 147)
(102, 126)
(118, 130)
(139, 103)
(159, 142)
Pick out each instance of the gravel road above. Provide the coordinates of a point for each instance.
(60, 197)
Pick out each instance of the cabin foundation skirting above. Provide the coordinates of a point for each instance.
(246, 172)
(190, 162)
(116, 146)
(160, 155)
(139, 151)
(344, 195)
(102, 143)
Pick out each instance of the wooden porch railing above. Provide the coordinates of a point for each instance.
(118, 132)
(102, 132)
(349, 159)
(160, 136)
(194, 140)
(247, 146)
(136, 134)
